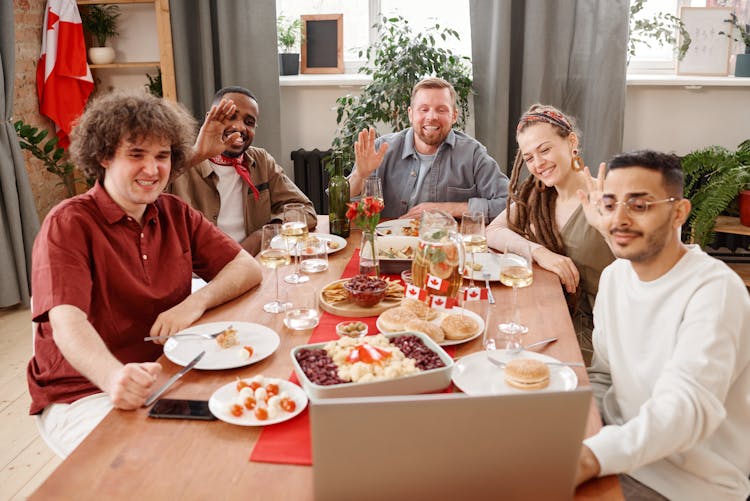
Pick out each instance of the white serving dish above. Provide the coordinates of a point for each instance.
(394, 266)
(423, 382)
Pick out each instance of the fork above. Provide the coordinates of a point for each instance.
(486, 276)
(204, 335)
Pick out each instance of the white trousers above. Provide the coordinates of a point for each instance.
(64, 426)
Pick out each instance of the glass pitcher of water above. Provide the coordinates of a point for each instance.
(439, 258)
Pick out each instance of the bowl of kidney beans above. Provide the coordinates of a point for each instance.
(366, 291)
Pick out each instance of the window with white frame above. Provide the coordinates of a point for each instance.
(360, 15)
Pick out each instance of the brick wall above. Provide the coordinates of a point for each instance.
(29, 16)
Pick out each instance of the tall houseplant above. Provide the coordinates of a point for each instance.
(397, 61)
(662, 29)
(714, 177)
(100, 22)
(742, 66)
(289, 37)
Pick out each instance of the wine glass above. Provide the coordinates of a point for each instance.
(474, 238)
(272, 255)
(373, 187)
(294, 230)
(515, 271)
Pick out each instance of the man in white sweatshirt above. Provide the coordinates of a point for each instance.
(671, 367)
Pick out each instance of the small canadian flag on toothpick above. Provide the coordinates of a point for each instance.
(442, 302)
(414, 292)
(475, 294)
(436, 283)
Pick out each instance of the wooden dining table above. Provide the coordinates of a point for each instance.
(131, 456)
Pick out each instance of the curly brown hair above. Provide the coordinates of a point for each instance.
(534, 212)
(131, 116)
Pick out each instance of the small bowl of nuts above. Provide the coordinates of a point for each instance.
(366, 291)
(351, 329)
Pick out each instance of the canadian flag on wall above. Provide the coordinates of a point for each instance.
(63, 78)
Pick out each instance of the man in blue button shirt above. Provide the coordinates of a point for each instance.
(430, 166)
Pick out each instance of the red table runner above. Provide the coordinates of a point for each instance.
(289, 442)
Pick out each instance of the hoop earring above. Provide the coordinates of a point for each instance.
(576, 163)
(539, 186)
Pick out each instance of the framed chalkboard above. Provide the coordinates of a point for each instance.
(708, 53)
(322, 43)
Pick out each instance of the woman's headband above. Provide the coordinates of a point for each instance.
(548, 116)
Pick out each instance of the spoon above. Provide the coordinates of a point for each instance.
(541, 343)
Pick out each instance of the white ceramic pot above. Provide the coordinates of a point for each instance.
(101, 55)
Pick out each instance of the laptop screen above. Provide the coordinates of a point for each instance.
(448, 446)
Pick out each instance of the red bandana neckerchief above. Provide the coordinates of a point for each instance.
(239, 165)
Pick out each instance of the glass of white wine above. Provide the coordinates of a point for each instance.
(272, 255)
(515, 271)
(474, 238)
(294, 230)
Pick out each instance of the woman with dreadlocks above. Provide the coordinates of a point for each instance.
(544, 212)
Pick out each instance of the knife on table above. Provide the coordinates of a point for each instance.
(150, 400)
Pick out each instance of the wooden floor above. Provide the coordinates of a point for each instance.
(25, 460)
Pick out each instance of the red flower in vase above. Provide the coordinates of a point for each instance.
(365, 213)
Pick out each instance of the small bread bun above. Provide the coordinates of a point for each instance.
(395, 319)
(457, 326)
(420, 309)
(425, 327)
(527, 374)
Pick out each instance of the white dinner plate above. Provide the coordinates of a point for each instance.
(263, 340)
(394, 227)
(224, 397)
(334, 243)
(439, 318)
(490, 264)
(476, 376)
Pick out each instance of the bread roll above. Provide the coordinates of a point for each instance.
(457, 326)
(425, 327)
(527, 374)
(420, 309)
(395, 319)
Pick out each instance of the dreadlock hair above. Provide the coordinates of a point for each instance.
(534, 211)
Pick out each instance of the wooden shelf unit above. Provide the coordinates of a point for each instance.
(727, 224)
(164, 32)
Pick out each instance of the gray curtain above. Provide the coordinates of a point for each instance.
(19, 222)
(566, 53)
(218, 43)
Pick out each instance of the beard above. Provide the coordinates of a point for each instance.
(655, 241)
(433, 139)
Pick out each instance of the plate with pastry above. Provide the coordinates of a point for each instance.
(398, 228)
(257, 401)
(238, 344)
(522, 372)
(445, 327)
(484, 262)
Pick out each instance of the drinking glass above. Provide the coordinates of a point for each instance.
(515, 271)
(272, 255)
(294, 229)
(373, 187)
(303, 313)
(313, 255)
(474, 238)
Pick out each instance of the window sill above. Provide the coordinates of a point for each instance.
(690, 82)
(328, 80)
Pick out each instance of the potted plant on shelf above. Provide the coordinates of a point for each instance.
(742, 64)
(289, 33)
(714, 178)
(397, 61)
(100, 22)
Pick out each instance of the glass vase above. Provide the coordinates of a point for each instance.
(369, 263)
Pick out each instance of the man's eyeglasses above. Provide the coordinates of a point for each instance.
(633, 206)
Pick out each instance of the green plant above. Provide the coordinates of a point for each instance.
(714, 177)
(744, 30)
(662, 28)
(100, 21)
(397, 61)
(54, 158)
(289, 33)
(154, 84)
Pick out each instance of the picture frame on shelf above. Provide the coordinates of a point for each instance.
(322, 43)
(709, 52)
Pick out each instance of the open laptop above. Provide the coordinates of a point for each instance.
(448, 446)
